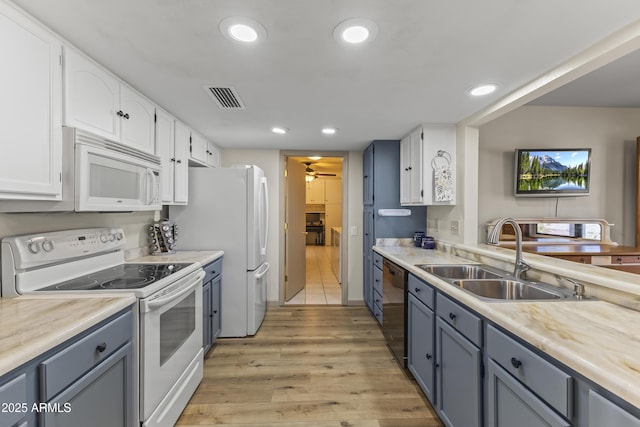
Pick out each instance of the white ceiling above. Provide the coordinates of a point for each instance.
(426, 55)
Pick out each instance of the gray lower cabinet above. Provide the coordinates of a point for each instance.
(458, 378)
(211, 303)
(86, 381)
(420, 343)
(604, 412)
(17, 396)
(509, 403)
(96, 399)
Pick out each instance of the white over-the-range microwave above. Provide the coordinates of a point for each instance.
(100, 175)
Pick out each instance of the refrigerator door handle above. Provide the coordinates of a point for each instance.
(265, 216)
(260, 274)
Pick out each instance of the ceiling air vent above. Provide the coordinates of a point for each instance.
(226, 97)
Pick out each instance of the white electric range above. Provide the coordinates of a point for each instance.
(86, 261)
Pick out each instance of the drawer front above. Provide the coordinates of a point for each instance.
(421, 290)
(69, 364)
(377, 312)
(377, 280)
(546, 380)
(460, 318)
(377, 260)
(377, 298)
(212, 270)
(13, 396)
(625, 259)
(584, 259)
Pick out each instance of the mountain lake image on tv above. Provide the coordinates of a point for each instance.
(552, 172)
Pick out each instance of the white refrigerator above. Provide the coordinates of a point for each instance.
(228, 210)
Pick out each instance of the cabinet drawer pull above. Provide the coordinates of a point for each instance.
(452, 316)
(101, 347)
(515, 363)
(428, 356)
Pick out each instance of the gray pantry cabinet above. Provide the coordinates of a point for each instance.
(475, 373)
(381, 190)
(88, 380)
(211, 303)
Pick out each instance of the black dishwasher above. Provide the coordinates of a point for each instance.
(394, 301)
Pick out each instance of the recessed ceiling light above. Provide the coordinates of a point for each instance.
(241, 29)
(355, 31)
(279, 130)
(314, 158)
(329, 131)
(483, 89)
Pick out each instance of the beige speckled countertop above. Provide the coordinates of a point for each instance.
(31, 325)
(597, 339)
(203, 257)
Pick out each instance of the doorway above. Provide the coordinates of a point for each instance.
(313, 271)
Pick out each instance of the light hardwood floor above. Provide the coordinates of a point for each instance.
(308, 366)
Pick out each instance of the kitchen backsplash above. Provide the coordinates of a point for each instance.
(135, 225)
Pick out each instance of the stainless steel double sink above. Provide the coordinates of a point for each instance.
(493, 284)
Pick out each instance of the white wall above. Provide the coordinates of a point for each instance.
(609, 132)
(269, 161)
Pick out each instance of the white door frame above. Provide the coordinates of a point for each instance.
(345, 209)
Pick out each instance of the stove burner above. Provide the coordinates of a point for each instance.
(128, 282)
(75, 285)
(123, 276)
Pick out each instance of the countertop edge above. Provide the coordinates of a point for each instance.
(56, 333)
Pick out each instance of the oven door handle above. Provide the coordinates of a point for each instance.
(147, 306)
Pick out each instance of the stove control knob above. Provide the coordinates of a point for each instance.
(119, 236)
(33, 247)
(112, 237)
(103, 238)
(47, 245)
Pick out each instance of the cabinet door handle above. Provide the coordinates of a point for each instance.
(211, 316)
(126, 116)
(428, 356)
(173, 160)
(101, 347)
(452, 316)
(515, 363)
(120, 113)
(417, 289)
(409, 168)
(215, 311)
(179, 161)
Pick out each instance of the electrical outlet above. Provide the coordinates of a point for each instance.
(354, 230)
(454, 228)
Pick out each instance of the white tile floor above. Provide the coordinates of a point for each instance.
(322, 285)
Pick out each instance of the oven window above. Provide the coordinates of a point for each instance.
(112, 182)
(176, 326)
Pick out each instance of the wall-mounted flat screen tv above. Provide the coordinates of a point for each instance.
(552, 172)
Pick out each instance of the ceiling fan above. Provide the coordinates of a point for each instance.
(312, 172)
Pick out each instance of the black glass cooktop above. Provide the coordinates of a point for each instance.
(124, 276)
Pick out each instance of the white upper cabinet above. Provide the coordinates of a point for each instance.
(181, 167)
(213, 152)
(203, 152)
(31, 109)
(172, 142)
(199, 150)
(137, 121)
(427, 166)
(98, 102)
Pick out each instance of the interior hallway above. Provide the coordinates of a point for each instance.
(322, 286)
